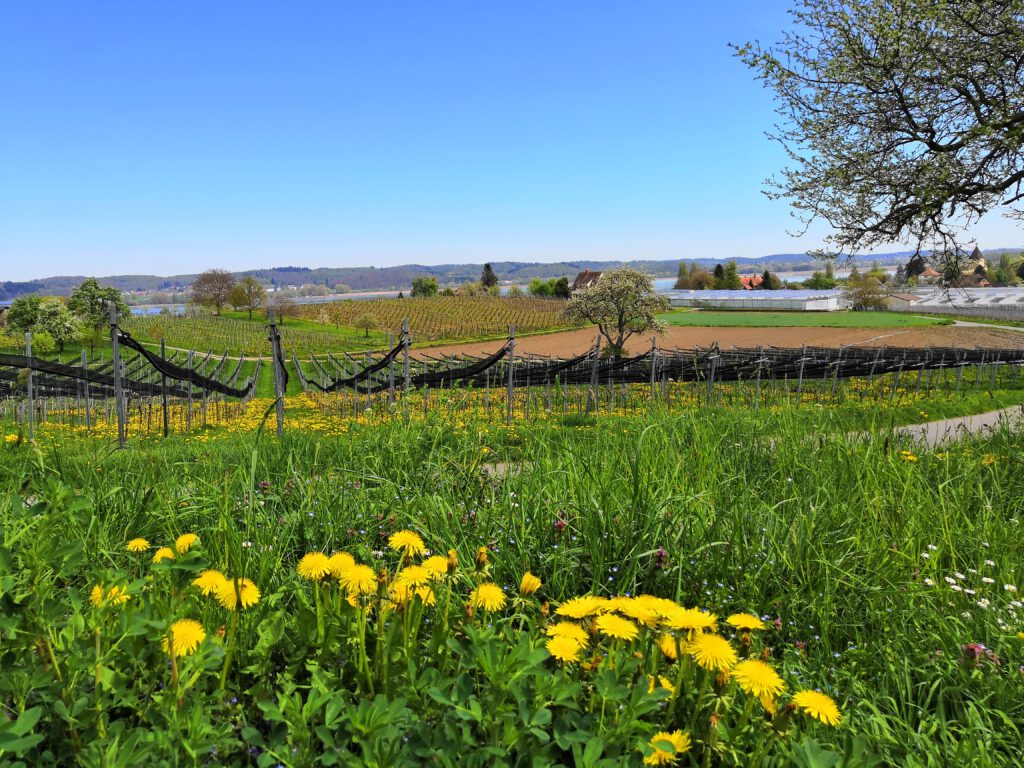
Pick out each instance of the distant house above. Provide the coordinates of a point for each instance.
(899, 300)
(751, 282)
(585, 279)
(929, 277)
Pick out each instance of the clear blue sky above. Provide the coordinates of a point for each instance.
(168, 137)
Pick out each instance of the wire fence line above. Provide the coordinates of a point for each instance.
(154, 392)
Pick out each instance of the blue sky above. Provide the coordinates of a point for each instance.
(168, 137)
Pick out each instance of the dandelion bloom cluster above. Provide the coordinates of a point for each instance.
(488, 596)
(581, 607)
(529, 584)
(358, 580)
(437, 565)
(564, 648)
(184, 542)
(616, 627)
(209, 581)
(567, 629)
(678, 741)
(338, 563)
(235, 593)
(114, 596)
(164, 553)
(818, 705)
(314, 566)
(186, 635)
(138, 545)
(407, 542)
(712, 651)
(745, 622)
(757, 678)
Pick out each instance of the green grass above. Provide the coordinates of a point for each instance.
(775, 512)
(743, 319)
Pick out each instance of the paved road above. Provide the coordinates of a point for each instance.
(935, 433)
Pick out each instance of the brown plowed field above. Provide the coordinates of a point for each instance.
(568, 343)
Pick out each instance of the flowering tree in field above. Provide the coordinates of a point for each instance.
(902, 119)
(621, 304)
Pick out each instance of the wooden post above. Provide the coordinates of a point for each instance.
(511, 371)
(275, 350)
(115, 351)
(391, 370)
(654, 366)
(188, 412)
(405, 369)
(592, 389)
(28, 383)
(163, 385)
(88, 404)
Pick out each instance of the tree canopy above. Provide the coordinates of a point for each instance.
(622, 303)
(91, 301)
(902, 119)
(487, 277)
(424, 287)
(212, 288)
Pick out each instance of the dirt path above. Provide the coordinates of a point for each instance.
(568, 343)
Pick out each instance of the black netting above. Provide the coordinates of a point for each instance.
(178, 373)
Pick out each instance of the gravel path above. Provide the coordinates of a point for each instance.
(935, 433)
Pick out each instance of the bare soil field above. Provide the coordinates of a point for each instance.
(568, 343)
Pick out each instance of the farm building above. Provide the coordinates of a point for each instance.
(900, 300)
(796, 301)
(584, 280)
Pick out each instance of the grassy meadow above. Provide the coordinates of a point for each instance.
(740, 574)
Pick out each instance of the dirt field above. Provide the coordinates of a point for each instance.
(570, 343)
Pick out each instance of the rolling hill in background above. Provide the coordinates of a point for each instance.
(400, 278)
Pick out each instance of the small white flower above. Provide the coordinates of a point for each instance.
(1009, 587)
(925, 555)
(990, 563)
(983, 603)
(959, 575)
(987, 580)
(932, 547)
(969, 592)
(949, 579)
(929, 582)
(956, 588)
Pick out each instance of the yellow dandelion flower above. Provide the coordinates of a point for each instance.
(314, 566)
(690, 620)
(359, 580)
(164, 553)
(137, 545)
(96, 596)
(757, 678)
(744, 621)
(667, 644)
(402, 593)
(184, 542)
(570, 630)
(668, 746)
(580, 607)
(488, 596)
(638, 610)
(564, 648)
(711, 651)
(529, 584)
(481, 558)
(437, 565)
(338, 562)
(653, 682)
(234, 593)
(117, 595)
(453, 561)
(414, 576)
(407, 542)
(769, 704)
(187, 634)
(818, 705)
(208, 581)
(616, 627)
